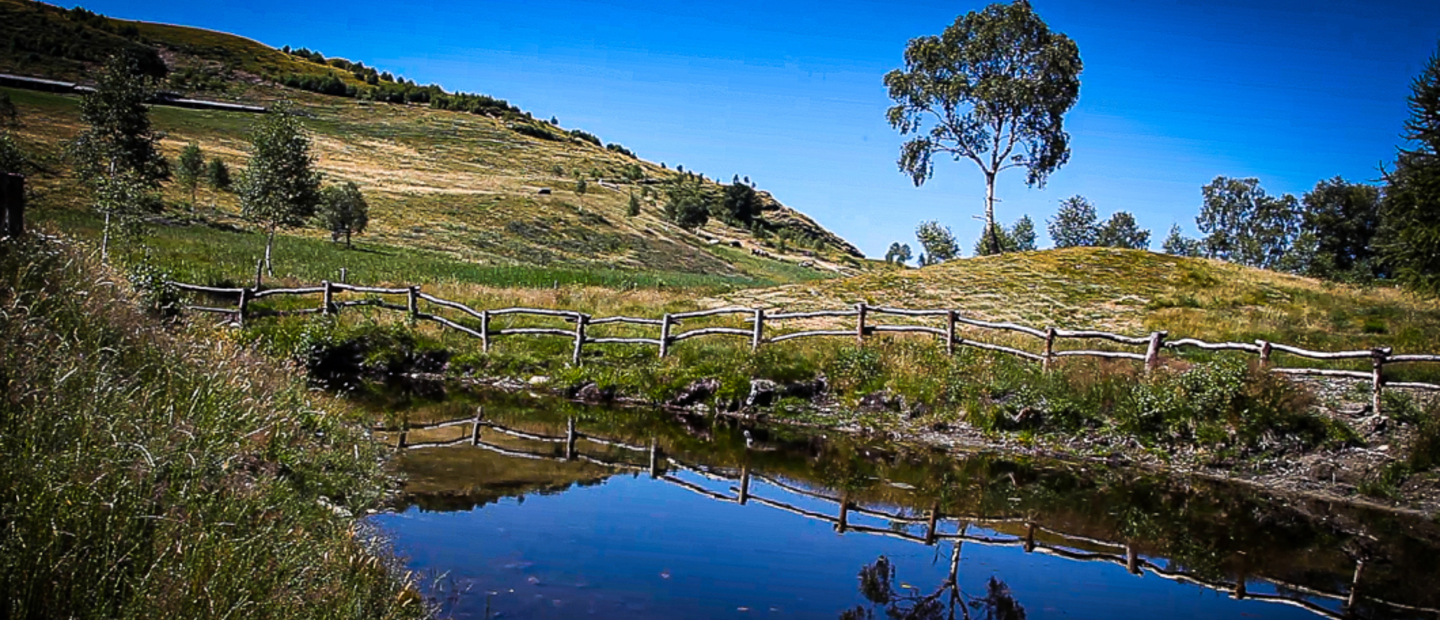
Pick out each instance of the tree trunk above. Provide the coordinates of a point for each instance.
(105, 239)
(269, 269)
(990, 233)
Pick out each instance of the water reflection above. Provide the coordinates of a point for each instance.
(1329, 560)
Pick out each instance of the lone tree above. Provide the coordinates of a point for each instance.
(1410, 210)
(217, 174)
(280, 187)
(118, 156)
(189, 169)
(343, 211)
(992, 88)
(899, 253)
(938, 242)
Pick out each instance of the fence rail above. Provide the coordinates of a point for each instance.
(1154, 343)
(1070, 546)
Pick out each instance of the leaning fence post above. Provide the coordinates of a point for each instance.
(1049, 348)
(485, 331)
(1377, 379)
(1355, 585)
(580, 321)
(665, 322)
(1152, 353)
(758, 336)
(242, 307)
(860, 324)
(328, 301)
(412, 301)
(950, 333)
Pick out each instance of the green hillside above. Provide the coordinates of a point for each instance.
(483, 183)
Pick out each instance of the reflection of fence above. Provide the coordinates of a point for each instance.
(1156, 341)
(1122, 554)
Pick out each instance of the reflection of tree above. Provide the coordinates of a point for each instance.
(877, 585)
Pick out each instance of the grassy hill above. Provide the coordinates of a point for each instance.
(465, 186)
(1134, 291)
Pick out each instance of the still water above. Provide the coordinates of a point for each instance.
(552, 510)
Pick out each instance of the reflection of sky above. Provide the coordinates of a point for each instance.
(638, 548)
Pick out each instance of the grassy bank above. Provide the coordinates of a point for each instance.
(145, 475)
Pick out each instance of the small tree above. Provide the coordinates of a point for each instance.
(686, 205)
(191, 166)
(118, 155)
(899, 253)
(1178, 244)
(938, 242)
(580, 188)
(280, 187)
(1075, 224)
(217, 174)
(632, 209)
(343, 211)
(993, 88)
(1121, 231)
(741, 203)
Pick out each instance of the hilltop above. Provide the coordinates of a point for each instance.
(468, 177)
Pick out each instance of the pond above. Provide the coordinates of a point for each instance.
(548, 509)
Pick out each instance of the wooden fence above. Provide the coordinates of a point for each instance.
(739, 483)
(862, 313)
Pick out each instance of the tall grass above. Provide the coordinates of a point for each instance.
(145, 476)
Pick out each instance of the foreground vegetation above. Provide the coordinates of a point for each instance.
(147, 476)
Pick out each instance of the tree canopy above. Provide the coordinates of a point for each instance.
(993, 88)
(1341, 219)
(1242, 224)
(1075, 224)
(1121, 231)
(938, 242)
(280, 186)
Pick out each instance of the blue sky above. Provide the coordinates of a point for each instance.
(1174, 93)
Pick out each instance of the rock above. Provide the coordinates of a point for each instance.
(920, 410)
(762, 393)
(807, 389)
(538, 380)
(883, 400)
(695, 393)
(592, 393)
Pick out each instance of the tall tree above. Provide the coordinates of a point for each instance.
(118, 155)
(1242, 224)
(993, 88)
(1341, 219)
(1075, 223)
(938, 242)
(190, 167)
(280, 186)
(1121, 231)
(343, 210)
(1410, 210)
(1178, 244)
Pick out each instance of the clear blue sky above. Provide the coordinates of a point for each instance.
(1174, 93)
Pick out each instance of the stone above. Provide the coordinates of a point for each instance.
(695, 393)
(762, 393)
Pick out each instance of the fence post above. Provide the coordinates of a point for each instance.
(1049, 348)
(342, 276)
(930, 523)
(654, 457)
(475, 432)
(1377, 379)
(259, 271)
(570, 439)
(1029, 537)
(485, 331)
(950, 333)
(665, 335)
(759, 327)
(580, 321)
(328, 301)
(1355, 585)
(12, 204)
(1152, 353)
(860, 324)
(844, 513)
(1132, 559)
(412, 301)
(744, 483)
(1265, 351)
(242, 306)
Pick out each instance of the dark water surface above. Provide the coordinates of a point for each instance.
(676, 517)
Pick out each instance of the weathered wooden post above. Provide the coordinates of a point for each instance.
(860, 324)
(1152, 352)
(412, 301)
(404, 434)
(1354, 596)
(485, 331)
(1132, 559)
(843, 523)
(654, 457)
(580, 321)
(12, 204)
(1240, 584)
(327, 302)
(759, 334)
(259, 271)
(570, 439)
(1377, 379)
(342, 275)
(950, 333)
(744, 483)
(242, 307)
(475, 431)
(1265, 350)
(665, 323)
(931, 520)
(1049, 349)
(1029, 537)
